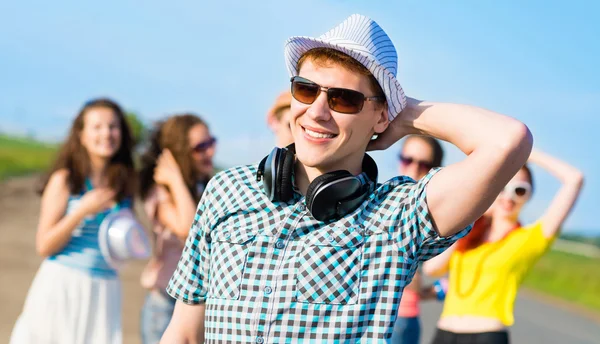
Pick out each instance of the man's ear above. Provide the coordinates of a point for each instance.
(382, 119)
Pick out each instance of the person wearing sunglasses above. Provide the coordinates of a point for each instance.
(263, 264)
(419, 154)
(278, 119)
(487, 266)
(174, 173)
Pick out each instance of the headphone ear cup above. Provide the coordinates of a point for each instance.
(321, 180)
(267, 171)
(284, 176)
(370, 167)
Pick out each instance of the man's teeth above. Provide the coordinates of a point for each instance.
(318, 135)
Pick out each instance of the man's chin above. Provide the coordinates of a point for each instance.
(311, 163)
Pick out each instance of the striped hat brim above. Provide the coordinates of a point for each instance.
(297, 46)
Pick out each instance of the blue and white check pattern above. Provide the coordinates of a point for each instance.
(271, 273)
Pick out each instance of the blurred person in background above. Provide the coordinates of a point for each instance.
(487, 266)
(419, 154)
(174, 173)
(75, 296)
(278, 119)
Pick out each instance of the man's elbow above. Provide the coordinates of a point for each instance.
(513, 144)
(518, 142)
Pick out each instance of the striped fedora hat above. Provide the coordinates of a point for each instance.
(364, 40)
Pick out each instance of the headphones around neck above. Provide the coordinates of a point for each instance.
(331, 195)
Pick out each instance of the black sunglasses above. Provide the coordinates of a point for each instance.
(341, 100)
(406, 161)
(204, 145)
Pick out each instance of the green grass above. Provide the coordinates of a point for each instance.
(586, 239)
(567, 276)
(20, 156)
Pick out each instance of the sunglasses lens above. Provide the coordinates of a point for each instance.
(304, 91)
(424, 166)
(405, 160)
(520, 191)
(345, 101)
(203, 146)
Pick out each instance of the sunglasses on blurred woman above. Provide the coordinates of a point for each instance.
(407, 161)
(204, 145)
(518, 191)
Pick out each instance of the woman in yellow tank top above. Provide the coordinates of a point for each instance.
(486, 267)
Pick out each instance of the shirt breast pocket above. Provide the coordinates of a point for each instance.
(329, 267)
(229, 253)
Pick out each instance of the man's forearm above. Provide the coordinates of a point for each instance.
(496, 146)
(465, 126)
(186, 326)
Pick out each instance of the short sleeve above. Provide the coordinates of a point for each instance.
(190, 280)
(531, 242)
(412, 225)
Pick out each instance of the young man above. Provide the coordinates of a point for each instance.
(261, 271)
(278, 119)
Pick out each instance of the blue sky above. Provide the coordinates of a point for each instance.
(224, 60)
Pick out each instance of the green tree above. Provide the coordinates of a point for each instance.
(137, 127)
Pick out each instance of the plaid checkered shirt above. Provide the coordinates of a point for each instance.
(270, 273)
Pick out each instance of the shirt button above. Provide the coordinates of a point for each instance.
(331, 239)
(268, 290)
(279, 244)
(260, 340)
(302, 207)
(227, 235)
